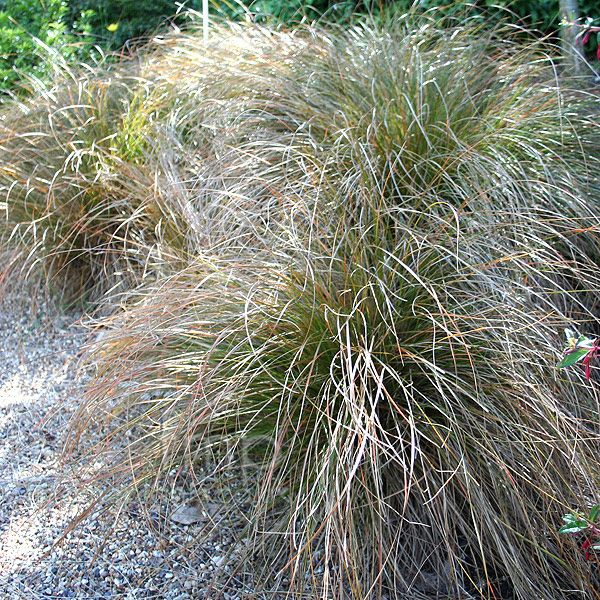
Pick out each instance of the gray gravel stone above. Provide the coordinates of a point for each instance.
(133, 554)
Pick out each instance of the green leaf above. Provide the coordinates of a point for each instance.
(573, 524)
(572, 358)
(595, 546)
(571, 518)
(573, 528)
(574, 342)
(583, 339)
(594, 512)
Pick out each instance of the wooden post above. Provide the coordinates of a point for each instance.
(569, 12)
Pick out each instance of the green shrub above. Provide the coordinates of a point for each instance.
(116, 22)
(33, 34)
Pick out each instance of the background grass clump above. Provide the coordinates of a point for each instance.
(350, 254)
(65, 155)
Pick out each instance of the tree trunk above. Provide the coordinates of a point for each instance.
(569, 12)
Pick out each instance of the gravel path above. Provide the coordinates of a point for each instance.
(129, 554)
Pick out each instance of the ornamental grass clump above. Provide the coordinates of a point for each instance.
(72, 175)
(365, 246)
(392, 396)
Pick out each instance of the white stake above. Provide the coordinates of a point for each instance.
(205, 19)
